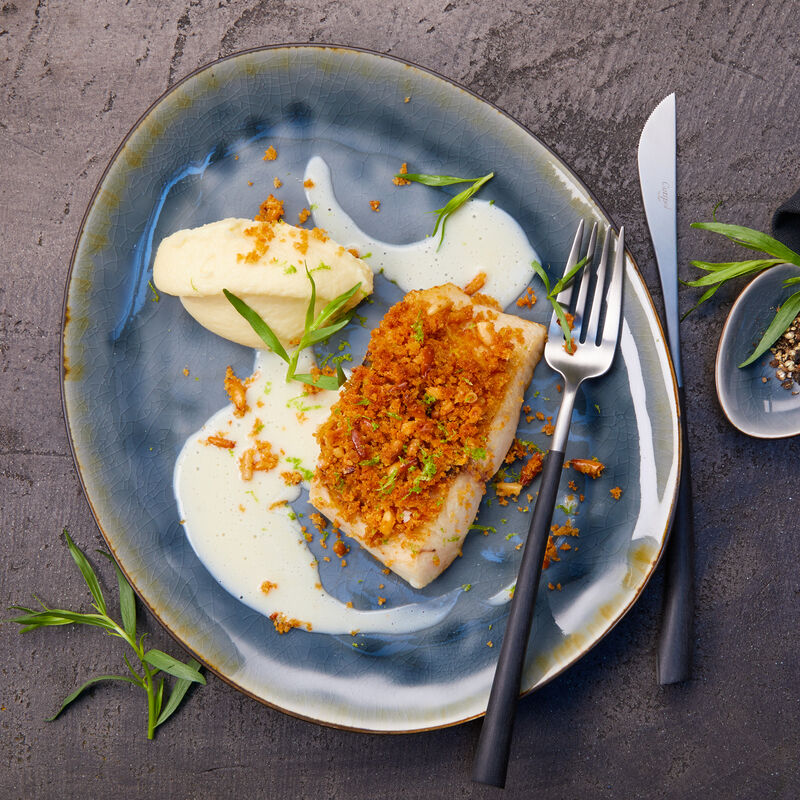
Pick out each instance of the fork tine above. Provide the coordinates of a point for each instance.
(583, 291)
(565, 295)
(614, 296)
(590, 329)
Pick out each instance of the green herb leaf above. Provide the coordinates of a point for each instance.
(791, 281)
(127, 598)
(751, 239)
(88, 573)
(780, 322)
(562, 317)
(567, 279)
(32, 619)
(81, 689)
(315, 331)
(455, 203)
(312, 301)
(434, 180)
(58, 616)
(334, 306)
(166, 663)
(330, 382)
(177, 694)
(314, 336)
(719, 273)
(257, 324)
(159, 700)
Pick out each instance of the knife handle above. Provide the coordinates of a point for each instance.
(675, 644)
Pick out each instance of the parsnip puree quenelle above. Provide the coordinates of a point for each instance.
(264, 263)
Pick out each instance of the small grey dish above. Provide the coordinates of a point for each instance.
(763, 409)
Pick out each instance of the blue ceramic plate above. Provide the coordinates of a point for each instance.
(190, 160)
(759, 408)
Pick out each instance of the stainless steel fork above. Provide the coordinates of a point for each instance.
(591, 358)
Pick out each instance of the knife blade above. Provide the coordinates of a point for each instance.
(657, 179)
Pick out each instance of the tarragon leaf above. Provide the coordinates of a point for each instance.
(81, 689)
(263, 330)
(177, 694)
(88, 573)
(455, 203)
(127, 598)
(780, 322)
(751, 239)
(567, 279)
(434, 180)
(166, 663)
(551, 296)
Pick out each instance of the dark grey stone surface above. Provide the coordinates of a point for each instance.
(75, 76)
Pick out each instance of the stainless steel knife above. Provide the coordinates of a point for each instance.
(657, 171)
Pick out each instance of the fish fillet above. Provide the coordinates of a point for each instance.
(422, 425)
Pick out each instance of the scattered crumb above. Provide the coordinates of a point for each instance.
(397, 180)
(381, 601)
(303, 215)
(268, 586)
(616, 492)
(308, 183)
(186, 371)
(270, 154)
(291, 478)
(249, 183)
(284, 624)
(490, 643)
(406, 99)
(591, 467)
(237, 393)
(527, 299)
(340, 548)
(375, 205)
(277, 183)
(218, 440)
(476, 284)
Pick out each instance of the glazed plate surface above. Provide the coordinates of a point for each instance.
(195, 157)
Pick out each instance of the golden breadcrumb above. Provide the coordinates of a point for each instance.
(237, 392)
(476, 284)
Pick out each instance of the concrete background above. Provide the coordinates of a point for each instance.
(74, 77)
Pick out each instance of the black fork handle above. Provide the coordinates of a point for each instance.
(491, 759)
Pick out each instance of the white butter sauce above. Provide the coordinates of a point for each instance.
(236, 527)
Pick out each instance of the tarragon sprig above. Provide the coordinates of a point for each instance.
(152, 661)
(455, 202)
(316, 329)
(552, 294)
(720, 273)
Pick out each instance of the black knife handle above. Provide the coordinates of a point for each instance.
(491, 758)
(675, 644)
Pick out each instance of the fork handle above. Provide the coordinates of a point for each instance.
(491, 758)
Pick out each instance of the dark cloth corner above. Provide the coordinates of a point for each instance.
(786, 222)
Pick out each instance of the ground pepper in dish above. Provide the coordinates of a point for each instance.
(786, 361)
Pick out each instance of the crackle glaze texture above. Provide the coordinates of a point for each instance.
(75, 78)
(191, 160)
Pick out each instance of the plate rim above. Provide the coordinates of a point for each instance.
(63, 369)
